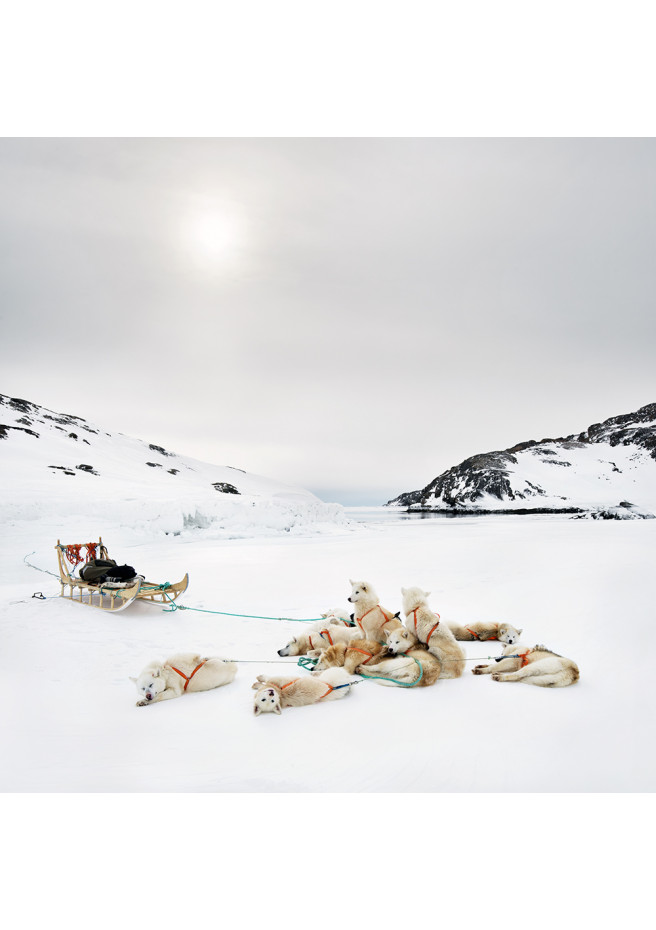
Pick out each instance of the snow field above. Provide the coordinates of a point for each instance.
(580, 587)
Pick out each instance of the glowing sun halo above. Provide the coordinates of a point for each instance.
(213, 238)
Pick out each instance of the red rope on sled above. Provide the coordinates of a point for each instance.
(72, 552)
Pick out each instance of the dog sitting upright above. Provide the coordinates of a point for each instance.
(371, 619)
(426, 626)
(162, 681)
(275, 693)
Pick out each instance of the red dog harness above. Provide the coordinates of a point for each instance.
(363, 651)
(432, 628)
(476, 636)
(330, 687)
(182, 674)
(377, 607)
(330, 639)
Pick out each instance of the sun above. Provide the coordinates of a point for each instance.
(213, 238)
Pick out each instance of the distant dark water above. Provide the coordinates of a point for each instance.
(391, 515)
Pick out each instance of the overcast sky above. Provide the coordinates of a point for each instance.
(353, 316)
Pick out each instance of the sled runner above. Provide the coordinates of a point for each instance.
(108, 595)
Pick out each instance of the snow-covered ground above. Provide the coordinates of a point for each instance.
(56, 463)
(583, 588)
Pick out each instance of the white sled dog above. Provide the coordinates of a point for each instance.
(402, 644)
(346, 655)
(427, 627)
(318, 639)
(188, 671)
(338, 616)
(272, 694)
(536, 666)
(371, 619)
(484, 630)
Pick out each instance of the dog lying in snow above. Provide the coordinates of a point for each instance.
(272, 694)
(162, 681)
(318, 639)
(346, 655)
(536, 666)
(426, 626)
(338, 616)
(370, 618)
(483, 630)
(403, 645)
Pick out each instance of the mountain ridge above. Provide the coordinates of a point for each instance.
(54, 464)
(533, 477)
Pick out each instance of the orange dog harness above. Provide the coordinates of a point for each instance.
(330, 687)
(182, 674)
(432, 629)
(363, 651)
(376, 607)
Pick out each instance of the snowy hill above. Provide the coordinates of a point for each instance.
(54, 463)
(607, 470)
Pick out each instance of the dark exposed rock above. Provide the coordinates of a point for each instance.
(88, 468)
(159, 449)
(19, 429)
(225, 487)
(461, 487)
(154, 464)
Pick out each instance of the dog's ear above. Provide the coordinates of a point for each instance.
(402, 590)
(156, 674)
(519, 632)
(131, 678)
(426, 593)
(278, 710)
(324, 615)
(351, 582)
(364, 587)
(256, 710)
(315, 653)
(386, 634)
(398, 615)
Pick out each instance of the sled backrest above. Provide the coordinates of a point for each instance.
(78, 553)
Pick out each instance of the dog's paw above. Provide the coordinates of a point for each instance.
(143, 703)
(478, 669)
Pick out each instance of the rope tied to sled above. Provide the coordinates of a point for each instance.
(225, 613)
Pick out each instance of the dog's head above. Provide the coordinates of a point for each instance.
(293, 648)
(267, 701)
(361, 591)
(510, 649)
(508, 634)
(150, 682)
(414, 597)
(337, 615)
(330, 657)
(399, 641)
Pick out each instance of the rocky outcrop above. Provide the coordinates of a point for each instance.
(549, 475)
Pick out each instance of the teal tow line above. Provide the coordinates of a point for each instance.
(402, 684)
(225, 613)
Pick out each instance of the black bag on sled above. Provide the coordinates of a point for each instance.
(99, 571)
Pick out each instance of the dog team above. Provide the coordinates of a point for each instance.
(372, 643)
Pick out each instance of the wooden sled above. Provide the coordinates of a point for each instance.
(109, 596)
